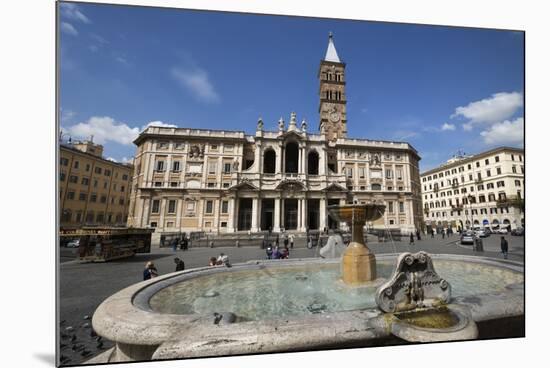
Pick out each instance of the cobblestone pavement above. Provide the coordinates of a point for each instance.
(84, 286)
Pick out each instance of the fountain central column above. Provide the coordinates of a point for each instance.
(358, 262)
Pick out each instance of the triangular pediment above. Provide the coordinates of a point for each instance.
(244, 185)
(335, 187)
(293, 133)
(290, 184)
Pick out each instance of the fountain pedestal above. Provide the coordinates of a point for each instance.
(358, 262)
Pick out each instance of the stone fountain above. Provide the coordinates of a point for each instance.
(358, 262)
(249, 308)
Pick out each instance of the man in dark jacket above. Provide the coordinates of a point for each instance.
(180, 265)
(504, 247)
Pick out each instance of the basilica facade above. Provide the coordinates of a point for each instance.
(225, 181)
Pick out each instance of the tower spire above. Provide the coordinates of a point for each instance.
(331, 54)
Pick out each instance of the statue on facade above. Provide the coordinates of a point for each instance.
(375, 160)
(281, 124)
(260, 125)
(194, 151)
(236, 165)
(304, 125)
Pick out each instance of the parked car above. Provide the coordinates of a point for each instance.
(502, 231)
(73, 243)
(467, 238)
(482, 233)
(518, 232)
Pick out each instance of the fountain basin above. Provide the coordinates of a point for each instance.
(174, 316)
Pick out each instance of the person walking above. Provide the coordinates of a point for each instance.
(180, 265)
(432, 232)
(417, 234)
(504, 247)
(411, 239)
(269, 252)
(310, 242)
(285, 241)
(150, 271)
(442, 233)
(291, 239)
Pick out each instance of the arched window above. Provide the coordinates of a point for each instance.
(313, 163)
(269, 161)
(376, 187)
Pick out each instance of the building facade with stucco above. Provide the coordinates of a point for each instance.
(226, 181)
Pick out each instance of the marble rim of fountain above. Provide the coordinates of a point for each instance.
(120, 318)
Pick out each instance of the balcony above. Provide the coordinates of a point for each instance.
(454, 185)
(512, 201)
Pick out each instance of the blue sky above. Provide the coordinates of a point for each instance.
(439, 88)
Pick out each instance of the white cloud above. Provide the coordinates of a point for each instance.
(104, 129)
(467, 127)
(196, 80)
(121, 60)
(402, 135)
(491, 110)
(447, 126)
(67, 115)
(506, 132)
(68, 29)
(72, 12)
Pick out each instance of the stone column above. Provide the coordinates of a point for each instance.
(299, 215)
(162, 210)
(304, 214)
(201, 204)
(231, 218)
(277, 215)
(322, 213)
(255, 205)
(283, 225)
(179, 212)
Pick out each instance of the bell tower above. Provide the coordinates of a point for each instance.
(332, 97)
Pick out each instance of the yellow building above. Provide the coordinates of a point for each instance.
(92, 190)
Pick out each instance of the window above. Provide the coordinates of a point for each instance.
(499, 171)
(490, 185)
(223, 224)
(489, 173)
(95, 183)
(514, 169)
(517, 183)
(520, 158)
(121, 201)
(228, 148)
(114, 187)
(211, 185)
(90, 217)
(103, 199)
(176, 166)
(401, 207)
(497, 159)
(76, 164)
(163, 145)
(85, 181)
(390, 206)
(399, 173)
(173, 184)
(125, 177)
(158, 184)
(209, 207)
(122, 188)
(82, 196)
(513, 159)
(522, 170)
(172, 206)
(98, 170)
(480, 187)
(225, 185)
(93, 197)
(159, 166)
(477, 164)
(227, 168)
(70, 195)
(481, 199)
(105, 185)
(486, 161)
(62, 176)
(392, 221)
(107, 172)
(361, 172)
(211, 167)
(478, 176)
(155, 208)
(213, 147)
(376, 187)
(500, 183)
(154, 224)
(64, 161)
(179, 145)
(389, 173)
(349, 172)
(469, 166)
(470, 177)
(73, 179)
(225, 206)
